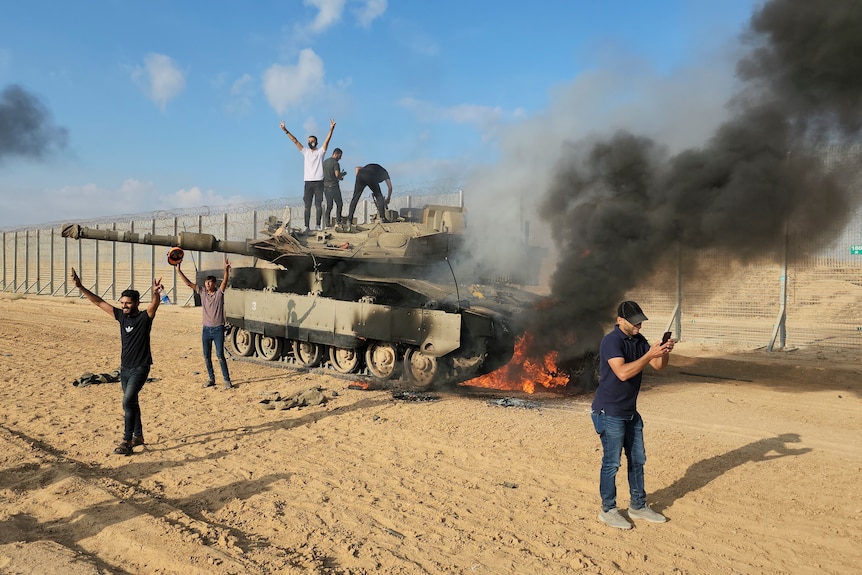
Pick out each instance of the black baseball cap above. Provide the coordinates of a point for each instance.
(631, 312)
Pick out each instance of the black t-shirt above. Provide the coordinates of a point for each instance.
(373, 173)
(135, 338)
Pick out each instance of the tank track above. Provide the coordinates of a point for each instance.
(364, 380)
(362, 377)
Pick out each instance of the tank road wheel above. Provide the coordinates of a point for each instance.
(307, 354)
(382, 360)
(422, 369)
(344, 359)
(268, 347)
(242, 341)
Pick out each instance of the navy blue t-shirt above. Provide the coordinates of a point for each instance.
(135, 338)
(616, 397)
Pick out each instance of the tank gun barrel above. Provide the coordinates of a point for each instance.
(187, 240)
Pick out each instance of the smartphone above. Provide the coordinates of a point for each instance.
(665, 337)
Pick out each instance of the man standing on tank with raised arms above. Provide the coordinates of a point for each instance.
(312, 173)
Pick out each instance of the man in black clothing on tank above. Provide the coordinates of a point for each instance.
(370, 176)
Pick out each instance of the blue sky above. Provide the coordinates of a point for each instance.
(168, 105)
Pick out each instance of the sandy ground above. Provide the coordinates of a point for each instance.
(755, 458)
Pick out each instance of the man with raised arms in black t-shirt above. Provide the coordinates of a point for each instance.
(135, 357)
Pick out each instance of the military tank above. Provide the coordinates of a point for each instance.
(377, 300)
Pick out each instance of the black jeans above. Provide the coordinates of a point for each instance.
(333, 195)
(313, 191)
(132, 380)
(358, 188)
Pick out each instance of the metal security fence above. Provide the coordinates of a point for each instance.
(808, 296)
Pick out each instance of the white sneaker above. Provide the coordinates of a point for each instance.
(647, 514)
(614, 518)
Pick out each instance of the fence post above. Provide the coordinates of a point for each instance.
(780, 330)
(114, 265)
(26, 261)
(677, 312)
(131, 257)
(80, 261)
(96, 268)
(51, 264)
(174, 289)
(152, 256)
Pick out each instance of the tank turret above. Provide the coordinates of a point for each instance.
(368, 300)
(422, 239)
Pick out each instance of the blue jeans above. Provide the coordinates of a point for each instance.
(132, 380)
(209, 336)
(618, 434)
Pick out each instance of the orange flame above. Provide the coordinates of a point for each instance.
(523, 373)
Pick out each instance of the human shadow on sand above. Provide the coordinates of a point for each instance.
(699, 474)
(127, 485)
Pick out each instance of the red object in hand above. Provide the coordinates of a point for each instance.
(175, 256)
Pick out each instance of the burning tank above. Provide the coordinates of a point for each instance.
(378, 300)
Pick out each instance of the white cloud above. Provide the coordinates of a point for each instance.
(242, 85)
(131, 189)
(370, 10)
(287, 86)
(195, 197)
(90, 200)
(240, 97)
(329, 12)
(219, 80)
(485, 118)
(86, 202)
(132, 196)
(160, 79)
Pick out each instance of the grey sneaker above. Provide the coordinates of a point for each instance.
(228, 385)
(209, 384)
(614, 518)
(647, 514)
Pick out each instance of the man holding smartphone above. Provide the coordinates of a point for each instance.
(623, 355)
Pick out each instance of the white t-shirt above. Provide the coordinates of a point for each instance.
(313, 166)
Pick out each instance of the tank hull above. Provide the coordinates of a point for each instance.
(401, 333)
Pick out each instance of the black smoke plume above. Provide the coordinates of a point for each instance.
(26, 127)
(617, 207)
